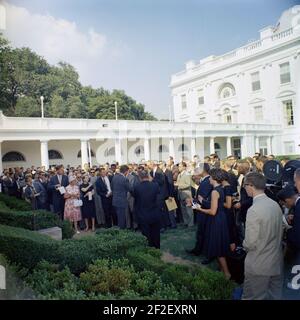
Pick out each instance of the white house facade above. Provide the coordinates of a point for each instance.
(257, 83)
(239, 103)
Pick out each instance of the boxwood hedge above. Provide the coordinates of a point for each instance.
(32, 219)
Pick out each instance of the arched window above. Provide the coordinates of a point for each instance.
(13, 156)
(139, 150)
(183, 147)
(217, 146)
(226, 90)
(54, 154)
(79, 153)
(163, 148)
(109, 152)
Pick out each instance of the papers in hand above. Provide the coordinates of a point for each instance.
(62, 190)
(171, 204)
(285, 223)
(196, 205)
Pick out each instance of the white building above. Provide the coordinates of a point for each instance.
(257, 83)
(244, 101)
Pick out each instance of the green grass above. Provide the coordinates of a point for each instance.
(175, 241)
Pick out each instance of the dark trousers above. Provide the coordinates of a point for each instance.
(107, 208)
(121, 214)
(200, 233)
(172, 218)
(152, 232)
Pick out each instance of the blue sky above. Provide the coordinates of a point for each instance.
(136, 45)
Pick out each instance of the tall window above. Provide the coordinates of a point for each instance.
(288, 112)
(258, 114)
(200, 97)
(289, 147)
(285, 75)
(183, 102)
(263, 146)
(255, 81)
(227, 116)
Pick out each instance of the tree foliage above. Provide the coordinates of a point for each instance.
(26, 76)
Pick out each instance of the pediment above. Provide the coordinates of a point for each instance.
(256, 100)
(286, 93)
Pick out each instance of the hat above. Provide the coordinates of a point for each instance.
(285, 193)
(71, 178)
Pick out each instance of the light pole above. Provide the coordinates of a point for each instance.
(42, 106)
(116, 109)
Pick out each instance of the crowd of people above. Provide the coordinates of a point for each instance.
(227, 199)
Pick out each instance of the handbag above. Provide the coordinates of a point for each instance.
(78, 203)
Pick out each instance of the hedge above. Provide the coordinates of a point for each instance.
(82, 268)
(34, 220)
(26, 247)
(15, 203)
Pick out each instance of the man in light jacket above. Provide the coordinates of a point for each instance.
(263, 264)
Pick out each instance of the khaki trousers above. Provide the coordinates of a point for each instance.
(262, 287)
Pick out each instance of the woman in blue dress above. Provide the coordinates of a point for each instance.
(228, 194)
(216, 242)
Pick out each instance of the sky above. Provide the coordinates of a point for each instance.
(136, 45)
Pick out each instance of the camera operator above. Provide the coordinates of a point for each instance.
(289, 197)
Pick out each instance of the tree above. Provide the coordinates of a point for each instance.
(26, 76)
(27, 107)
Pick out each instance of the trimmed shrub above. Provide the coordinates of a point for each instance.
(113, 244)
(26, 247)
(34, 220)
(52, 283)
(15, 203)
(118, 279)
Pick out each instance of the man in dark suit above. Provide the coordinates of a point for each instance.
(245, 201)
(158, 177)
(291, 199)
(58, 180)
(148, 213)
(42, 198)
(103, 189)
(169, 192)
(120, 188)
(202, 196)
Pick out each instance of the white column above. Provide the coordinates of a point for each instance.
(257, 144)
(228, 146)
(84, 153)
(146, 149)
(44, 154)
(244, 147)
(269, 144)
(118, 153)
(1, 167)
(212, 145)
(193, 147)
(171, 148)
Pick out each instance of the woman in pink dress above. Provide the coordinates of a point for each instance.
(72, 212)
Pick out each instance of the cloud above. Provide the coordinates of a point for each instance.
(60, 40)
